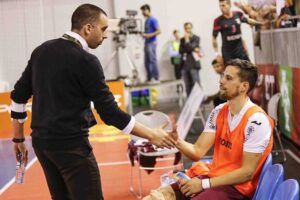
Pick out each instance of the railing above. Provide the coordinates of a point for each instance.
(279, 46)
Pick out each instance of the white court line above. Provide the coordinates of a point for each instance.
(294, 156)
(12, 181)
(127, 162)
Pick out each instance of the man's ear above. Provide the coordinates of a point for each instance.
(245, 86)
(87, 29)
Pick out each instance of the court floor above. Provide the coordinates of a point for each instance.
(110, 149)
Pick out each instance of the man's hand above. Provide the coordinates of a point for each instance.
(161, 138)
(187, 37)
(21, 152)
(191, 187)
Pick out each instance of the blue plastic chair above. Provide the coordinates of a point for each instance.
(267, 165)
(271, 180)
(288, 190)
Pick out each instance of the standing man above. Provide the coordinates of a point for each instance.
(229, 24)
(190, 57)
(63, 78)
(151, 31)
(240, 133)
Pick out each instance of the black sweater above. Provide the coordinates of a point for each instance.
(64, 79)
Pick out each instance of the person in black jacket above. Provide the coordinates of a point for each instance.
(63, 78)
(190, 55)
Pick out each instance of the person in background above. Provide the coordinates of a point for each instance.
(219, 69)
(287, 11)
(175, 55)
(190, 52)
(264, 12)
(63, 78)
(229, 25)
(152, 29)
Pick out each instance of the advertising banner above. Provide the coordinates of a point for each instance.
(286, 101)
(266, 85)
(296, 106)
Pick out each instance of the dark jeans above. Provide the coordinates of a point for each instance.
(151, 61)
(177, 70)
(71, 174)
(190, 77)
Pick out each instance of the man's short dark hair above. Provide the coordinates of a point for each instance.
(187, 23)
(227, 1)
(145, 7)
(214, 62)
(248, 71)
(84, 14)
(175, 31)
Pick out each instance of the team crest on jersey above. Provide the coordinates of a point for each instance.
(238, 20)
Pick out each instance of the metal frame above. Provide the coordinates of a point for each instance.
(139, 193)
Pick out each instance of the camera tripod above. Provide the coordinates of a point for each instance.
(121, 48)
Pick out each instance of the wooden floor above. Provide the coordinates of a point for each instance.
(111, 155)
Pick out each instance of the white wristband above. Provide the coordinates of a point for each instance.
(205, 183)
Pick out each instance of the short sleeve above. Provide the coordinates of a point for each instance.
(257, 133)
(217, 27)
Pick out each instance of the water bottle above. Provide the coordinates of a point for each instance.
(20, 170)
(166, 179)
(181, 175)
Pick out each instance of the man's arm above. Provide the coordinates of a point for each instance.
(245, 47)
(196, 151)
(240, 175)
(19, 148)
(258, 132)
(157, 31)
(204, 142)
(189, 44)
(150, 35)
(215, 44)
(156, 136)
(92, 80)
(19, 96)
(254, 22)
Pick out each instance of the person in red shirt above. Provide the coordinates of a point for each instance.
(229, 25)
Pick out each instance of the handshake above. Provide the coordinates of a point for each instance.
(158, 136)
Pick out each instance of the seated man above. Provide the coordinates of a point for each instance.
(241, 133)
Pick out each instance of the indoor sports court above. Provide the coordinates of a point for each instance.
(152, 100)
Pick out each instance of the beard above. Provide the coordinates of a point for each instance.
(224, 95)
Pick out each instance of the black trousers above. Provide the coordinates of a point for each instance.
(71, 174)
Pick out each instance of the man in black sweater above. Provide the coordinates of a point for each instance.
(63, 78)
(189, 50)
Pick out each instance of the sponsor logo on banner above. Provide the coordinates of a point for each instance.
(285, 84)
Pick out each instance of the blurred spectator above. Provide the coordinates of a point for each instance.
(190, 57)
(287, 11)
(219, 69)
(175, 55)
(264, 13)
(152, 30)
